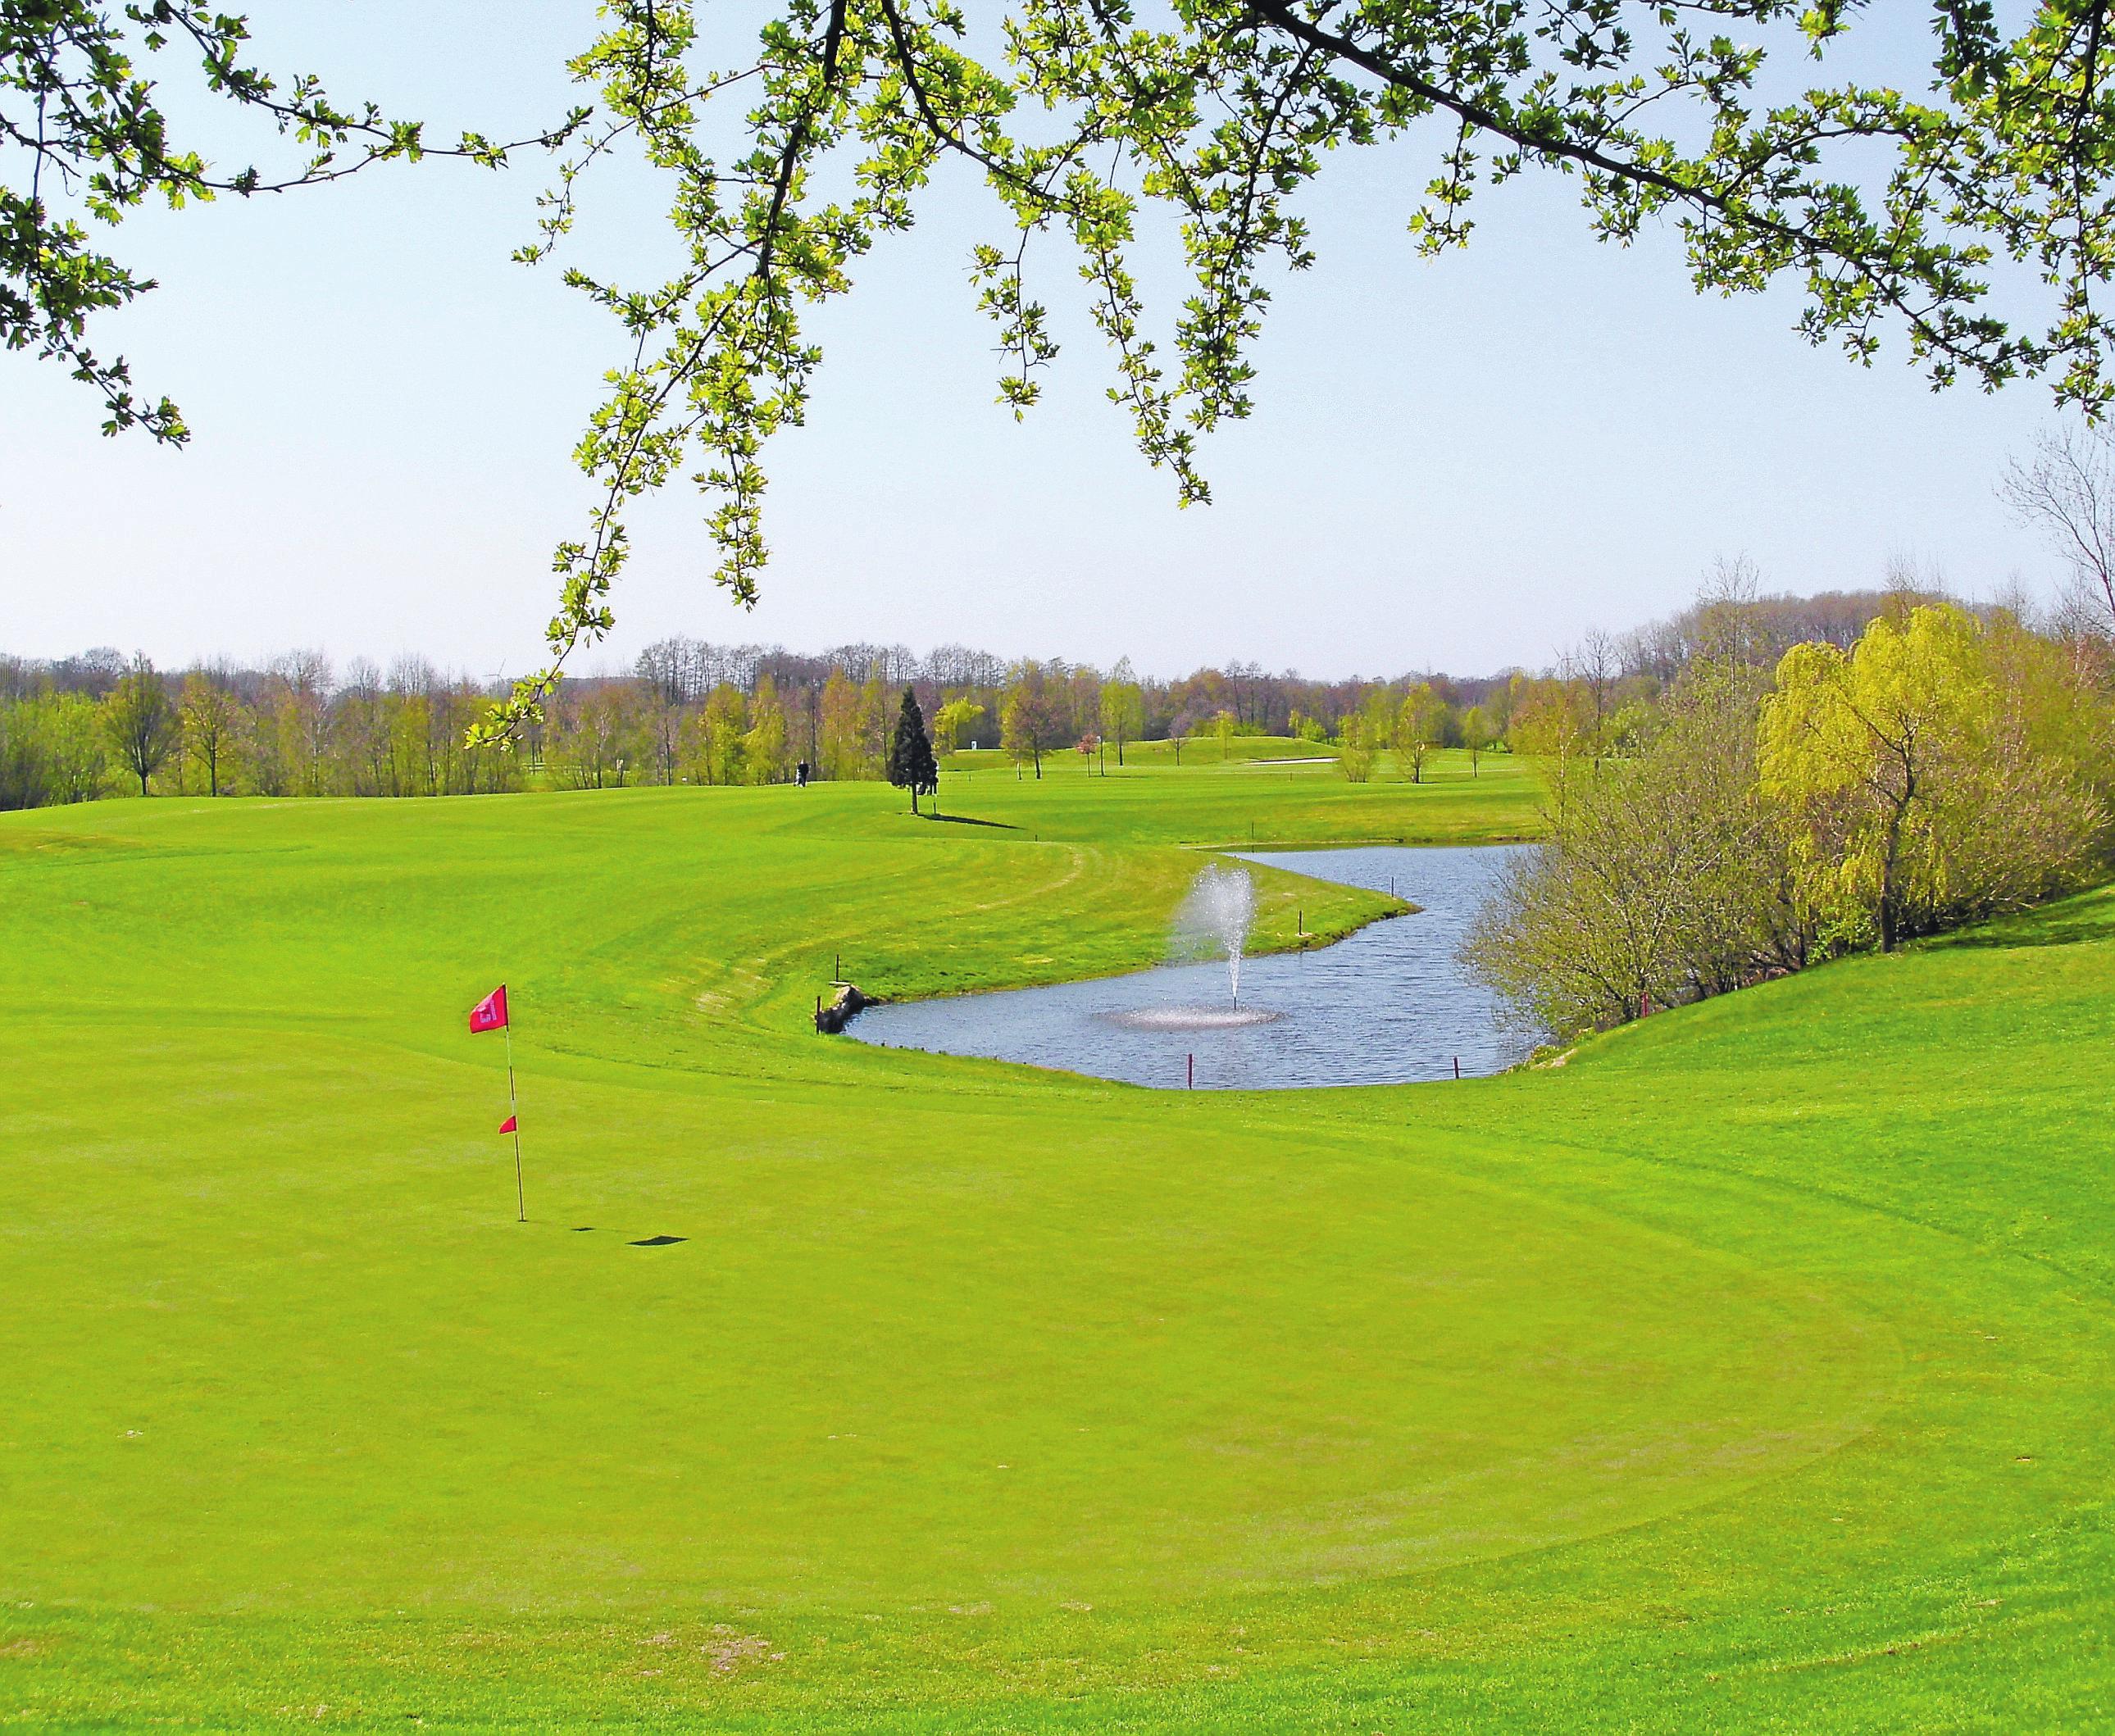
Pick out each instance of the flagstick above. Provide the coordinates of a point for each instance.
(514, 1115)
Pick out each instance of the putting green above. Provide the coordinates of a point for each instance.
(336, 1373)
(1771, 1333)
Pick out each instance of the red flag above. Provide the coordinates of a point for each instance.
(489, 1013)
(508, 1125)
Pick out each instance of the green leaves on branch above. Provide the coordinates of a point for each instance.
(84, 141)
(1964, 203)
(1891, 211)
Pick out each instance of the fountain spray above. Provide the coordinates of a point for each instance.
(1218, 913)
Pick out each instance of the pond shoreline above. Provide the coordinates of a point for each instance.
(1378, 1002)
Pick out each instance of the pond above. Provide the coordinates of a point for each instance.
(1387, 1005)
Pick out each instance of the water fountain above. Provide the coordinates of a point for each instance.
(1216, 916)
(1213, 921)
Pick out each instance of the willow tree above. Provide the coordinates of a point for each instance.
(1916, 796)
(954, 719)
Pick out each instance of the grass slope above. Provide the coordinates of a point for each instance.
(1751, 1371)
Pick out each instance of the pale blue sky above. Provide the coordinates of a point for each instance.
(1457, 464)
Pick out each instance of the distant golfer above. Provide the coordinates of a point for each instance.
(800, 774)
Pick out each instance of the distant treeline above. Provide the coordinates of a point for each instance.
(98, 724)
(691, 707)
(76, 728)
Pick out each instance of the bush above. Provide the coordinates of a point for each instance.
(1665, 878)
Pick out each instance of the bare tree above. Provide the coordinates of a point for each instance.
(2068, 492)
(1596, 664)
(1722, 623)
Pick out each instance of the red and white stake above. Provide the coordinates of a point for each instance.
(491, 1014)
(514, 1127)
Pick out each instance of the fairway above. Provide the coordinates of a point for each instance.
(1751, 1370)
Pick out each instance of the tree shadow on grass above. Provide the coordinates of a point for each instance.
(2074, 921)
(963, 819)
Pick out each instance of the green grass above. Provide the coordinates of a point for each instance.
(1254, 796)
(1751, 1371)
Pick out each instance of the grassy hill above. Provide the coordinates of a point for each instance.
(1750, 1371)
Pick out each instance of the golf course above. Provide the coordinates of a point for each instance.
(1752, 1369)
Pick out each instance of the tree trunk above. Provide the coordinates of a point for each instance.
(1890, 921)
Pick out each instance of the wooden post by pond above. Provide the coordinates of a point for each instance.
(1193, 1073)
(1457, 1066)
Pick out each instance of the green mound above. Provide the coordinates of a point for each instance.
(1752, 1369)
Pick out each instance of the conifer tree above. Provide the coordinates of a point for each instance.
(911, 763)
